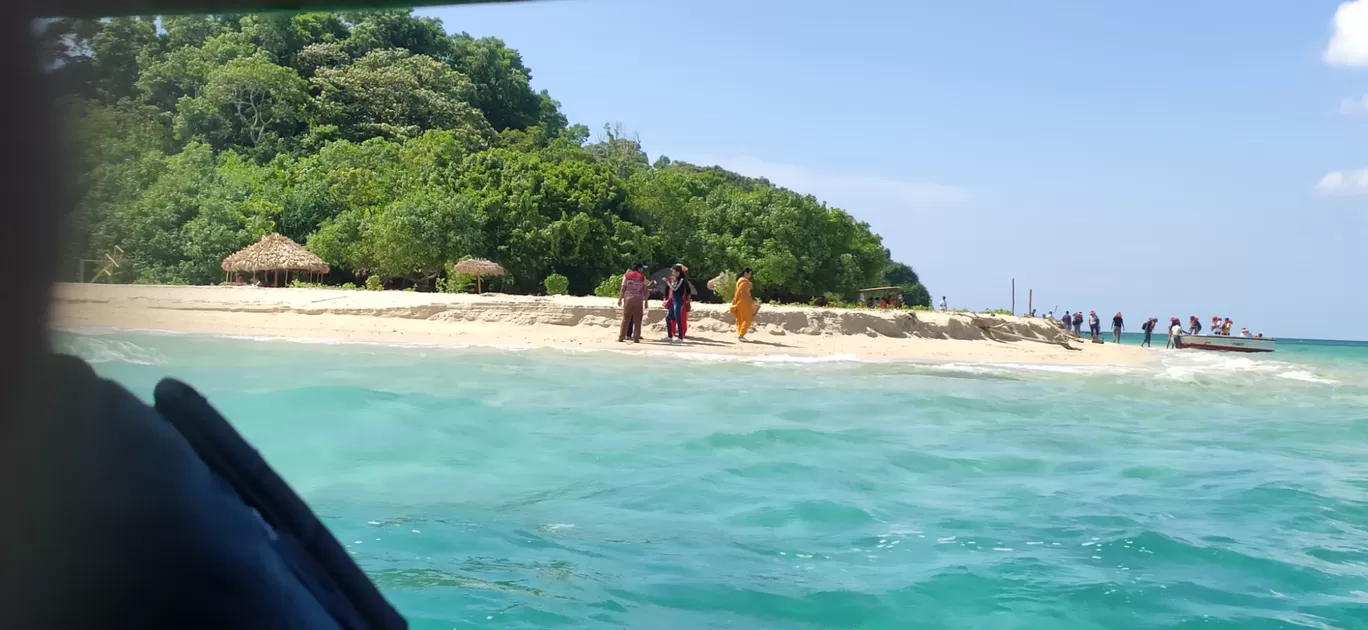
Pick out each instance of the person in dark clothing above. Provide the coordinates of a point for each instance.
(677, 294)
(1078, 323)
(1196, 326)
(1118, 325)
(1094, 325)
(1148, 329)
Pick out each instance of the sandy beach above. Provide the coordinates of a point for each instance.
(585, 323)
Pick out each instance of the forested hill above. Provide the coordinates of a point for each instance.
(389, 147)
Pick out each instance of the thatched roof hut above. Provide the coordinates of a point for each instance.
(275, 253)
(480, 268)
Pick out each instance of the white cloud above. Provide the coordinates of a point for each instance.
(1349, 43)
(1344, 183)
(1354, 106)
(852, 193)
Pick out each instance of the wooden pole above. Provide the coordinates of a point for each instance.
(1030, 302)
(1014, 296)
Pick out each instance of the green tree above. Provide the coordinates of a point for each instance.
(392, 149)
(393, 93)
(502, 85)
(419, 235)
(915, 295)
(249, 103)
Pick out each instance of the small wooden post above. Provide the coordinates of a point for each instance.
(1030, 302)
(1013, 296)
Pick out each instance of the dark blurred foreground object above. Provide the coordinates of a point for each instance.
(116, 514)
(166, 517)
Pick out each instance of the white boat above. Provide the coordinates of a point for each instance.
(1222, 343)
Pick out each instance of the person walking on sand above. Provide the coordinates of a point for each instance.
(677, 290)
(632, 298)
(743, 307)
(943, 306)
(1094, 325)
(1118, 325)
(1078, 323)
(1148, 329)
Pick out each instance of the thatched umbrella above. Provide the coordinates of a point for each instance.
(479, 268)
(275, 253)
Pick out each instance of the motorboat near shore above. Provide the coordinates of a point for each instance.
(1223, 343)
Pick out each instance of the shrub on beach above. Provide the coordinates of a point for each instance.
(557, 284)
(456, 283)
(349, 285)
(373, 283)
(610, 287)
(726, 290)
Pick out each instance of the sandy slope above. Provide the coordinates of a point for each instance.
(569, 322)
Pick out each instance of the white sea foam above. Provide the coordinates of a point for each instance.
(1305, 376)
(101, 349)
(1172, 365)
(1195, 366)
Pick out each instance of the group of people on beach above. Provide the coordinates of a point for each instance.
(635, 293)
(1073, 324)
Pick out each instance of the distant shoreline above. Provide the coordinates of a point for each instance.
(565, 322)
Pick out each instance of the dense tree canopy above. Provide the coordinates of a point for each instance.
(392, 148)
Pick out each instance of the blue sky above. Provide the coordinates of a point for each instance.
(1166, 158)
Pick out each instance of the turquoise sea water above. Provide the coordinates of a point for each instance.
(543, 489)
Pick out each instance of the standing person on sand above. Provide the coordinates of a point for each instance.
(943, 306)
(677, 290)
(1118, 325)
(1078, 323)
(743, 307)
(1175, 330)
(632, 298)
(1094, 325)
(645, 273)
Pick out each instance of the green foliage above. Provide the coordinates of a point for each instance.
(727, 289)
(915, 294)
(998, 311)
(456, 283)
(391, 149)
(348, 285)
(610, 287)
(374, 283)
(557, 284)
